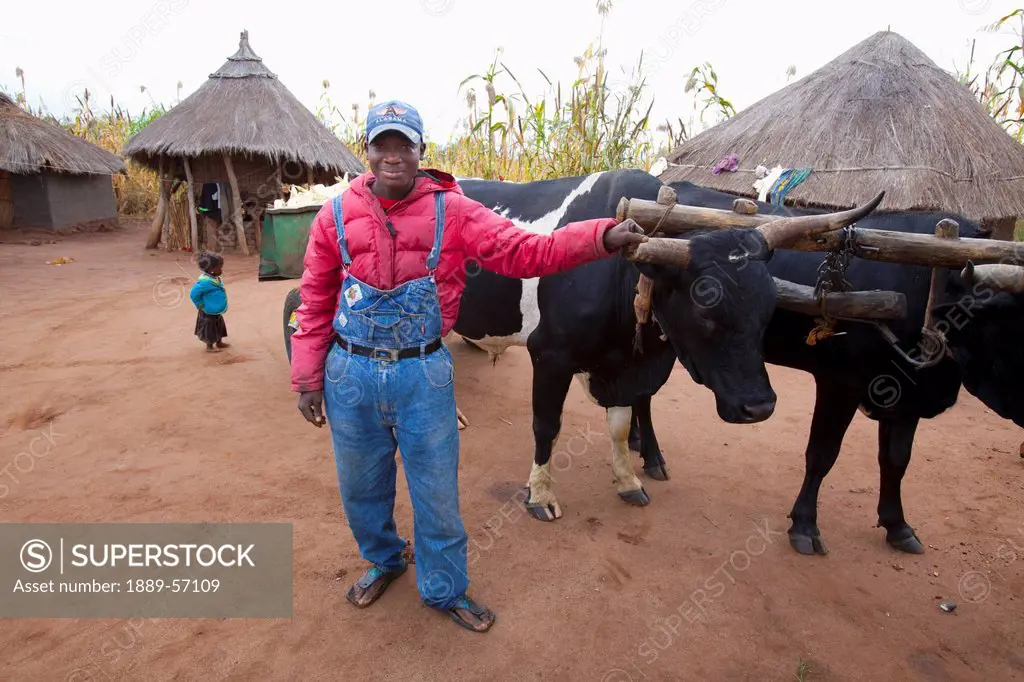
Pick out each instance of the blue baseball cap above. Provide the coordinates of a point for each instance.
(397, 116)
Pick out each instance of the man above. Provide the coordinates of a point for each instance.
(385, 267)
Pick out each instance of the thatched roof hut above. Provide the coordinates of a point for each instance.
(880, 116)
(50, 178)
(244, 127)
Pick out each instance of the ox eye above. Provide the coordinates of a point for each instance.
(706, 325)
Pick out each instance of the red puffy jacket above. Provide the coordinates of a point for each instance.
(471, 232)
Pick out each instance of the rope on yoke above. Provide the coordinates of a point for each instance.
(642, 308)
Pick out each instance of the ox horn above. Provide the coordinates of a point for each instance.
(784, 231)
(1001, 277)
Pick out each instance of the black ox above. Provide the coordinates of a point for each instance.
(581, 323)
(859, 369)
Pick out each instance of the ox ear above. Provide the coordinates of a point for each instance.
(753, 246)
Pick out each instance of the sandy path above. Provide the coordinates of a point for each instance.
(153, 429)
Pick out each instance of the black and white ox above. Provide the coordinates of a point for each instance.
(980, 312)
(581, 323)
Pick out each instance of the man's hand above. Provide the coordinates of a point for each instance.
(311, 407)
(627, 233)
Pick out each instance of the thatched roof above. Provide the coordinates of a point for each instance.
(243, 108)
(881, 116)
(29, 144)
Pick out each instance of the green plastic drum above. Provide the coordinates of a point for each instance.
(285, 233)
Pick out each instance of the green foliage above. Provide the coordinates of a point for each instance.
(704, 80)
(575, 130)
(1001, 90)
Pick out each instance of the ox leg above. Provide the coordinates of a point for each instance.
(551, 382)
(895, 442)
(635, 443)
(834, 407)
(630, 488)
(650, 451)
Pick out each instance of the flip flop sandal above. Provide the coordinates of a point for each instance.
(477, 610)
(372, 583)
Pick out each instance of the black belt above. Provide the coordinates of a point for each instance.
(386, 353)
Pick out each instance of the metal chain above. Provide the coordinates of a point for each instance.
(832, 278)
(832, 271)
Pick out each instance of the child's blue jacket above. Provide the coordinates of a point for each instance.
(208, 295)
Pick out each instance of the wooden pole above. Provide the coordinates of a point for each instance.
(892, 247)
(880, 245)
(944, 229)
(920, 249)
(165, 231)
(881, 305)
(226, 219)
(236, 205)
(661, 250)
(156, 227)
(682, 218)
(191, 206)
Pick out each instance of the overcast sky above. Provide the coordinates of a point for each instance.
(420, 50)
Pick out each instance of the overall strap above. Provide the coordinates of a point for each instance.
(339, 223)
(435, 251)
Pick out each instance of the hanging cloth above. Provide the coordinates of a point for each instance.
(727, 163)
(786, 183)
(766, 181)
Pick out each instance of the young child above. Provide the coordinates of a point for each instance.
(211, 300)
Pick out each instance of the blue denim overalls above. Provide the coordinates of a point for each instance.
(376, 403)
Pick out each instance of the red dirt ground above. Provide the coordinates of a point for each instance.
(161, 431)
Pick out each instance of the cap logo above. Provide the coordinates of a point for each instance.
(391, 110)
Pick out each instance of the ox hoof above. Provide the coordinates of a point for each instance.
(658, 472)
(909, 544)
(637, 498)
(542, 512)
(808, 544)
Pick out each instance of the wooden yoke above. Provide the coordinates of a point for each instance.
(666, 216)
(645, 286)
(879, 245)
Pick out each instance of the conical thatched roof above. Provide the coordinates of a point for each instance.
(243, 108)
(29, 144)
(881, 116)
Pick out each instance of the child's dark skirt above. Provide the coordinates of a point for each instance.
(210, 328)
